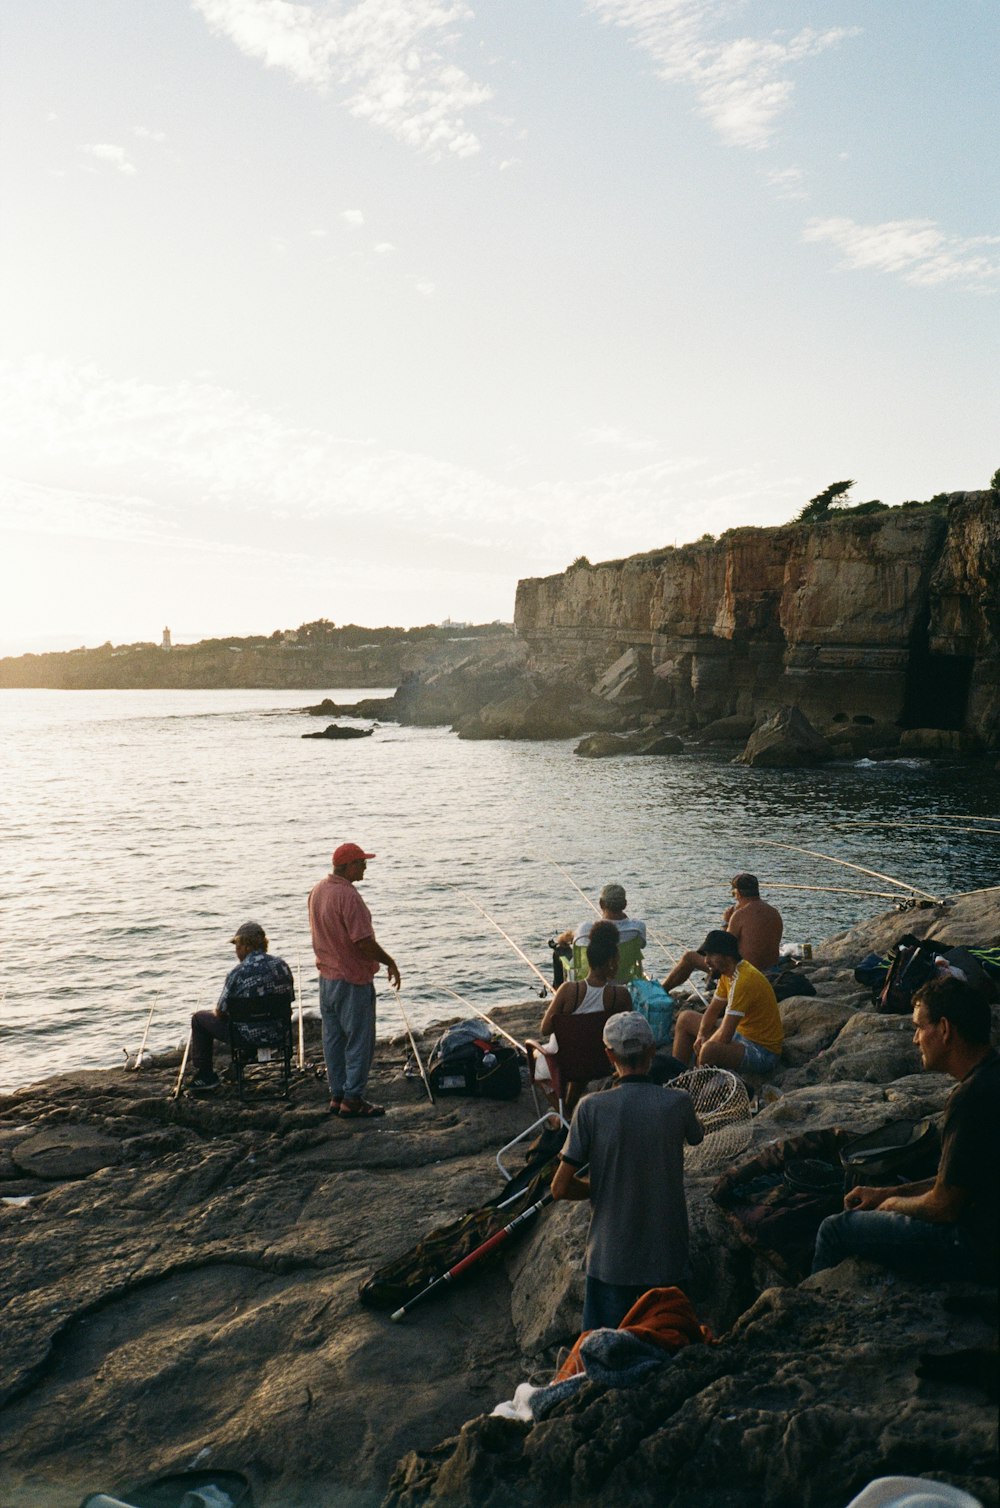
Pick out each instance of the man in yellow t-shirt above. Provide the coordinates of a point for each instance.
(741, 1028)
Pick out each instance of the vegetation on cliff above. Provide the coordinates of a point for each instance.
(315, 654)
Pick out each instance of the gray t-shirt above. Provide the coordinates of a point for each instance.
(633, 1138)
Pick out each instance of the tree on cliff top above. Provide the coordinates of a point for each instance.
(819, 506)
(995, 482)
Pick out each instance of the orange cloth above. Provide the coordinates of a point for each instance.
(662, 1317)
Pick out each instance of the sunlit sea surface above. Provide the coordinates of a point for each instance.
(141, 827)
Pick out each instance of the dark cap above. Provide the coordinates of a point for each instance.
(249, 932)
(721, 942)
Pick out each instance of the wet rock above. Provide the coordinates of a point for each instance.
(727, 730)
(336, 730)
(602, 746)
(785, 740)
(662, 743)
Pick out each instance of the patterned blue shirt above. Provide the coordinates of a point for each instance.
(258, 974)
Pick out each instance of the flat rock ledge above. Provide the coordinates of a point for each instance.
(178, 1281)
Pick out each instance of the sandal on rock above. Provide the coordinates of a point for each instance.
(352, 1110)
(335, 1105)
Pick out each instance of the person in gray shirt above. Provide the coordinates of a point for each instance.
(625, 1153)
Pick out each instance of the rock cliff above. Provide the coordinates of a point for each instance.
(880, 622)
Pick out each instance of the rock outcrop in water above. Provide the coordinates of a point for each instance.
(179, 1280)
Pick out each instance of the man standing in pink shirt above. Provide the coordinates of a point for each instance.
(347, 957)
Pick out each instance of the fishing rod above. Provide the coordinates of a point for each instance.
(507, 938)
(497, 1239)
(416, 1051)
(889, 895)
(149, 1022)
(935, 826)
(653, 935)
(180, 1077)
(469, 1006)
(302, 1024)
(874, 873)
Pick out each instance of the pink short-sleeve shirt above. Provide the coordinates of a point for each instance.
(338, 919)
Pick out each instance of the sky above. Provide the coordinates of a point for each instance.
(365, 309)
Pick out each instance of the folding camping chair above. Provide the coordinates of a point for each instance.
(579, 1057)
(260, 1031)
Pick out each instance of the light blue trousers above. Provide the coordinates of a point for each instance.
(348, 1012)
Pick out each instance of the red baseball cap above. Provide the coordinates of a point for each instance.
(349, 853)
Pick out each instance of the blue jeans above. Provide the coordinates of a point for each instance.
(605, 1305)
(348, 1012)
(757, 1059)
(915, 1247)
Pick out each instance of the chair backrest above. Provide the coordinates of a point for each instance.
(629, 960)
(260, 1008)
(260, 1020)
(580, 1041)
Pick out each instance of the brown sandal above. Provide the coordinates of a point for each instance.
(353, 1110)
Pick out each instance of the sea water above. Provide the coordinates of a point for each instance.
(139, 828)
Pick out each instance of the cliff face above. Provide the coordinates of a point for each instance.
(886, 618)
(250, 664)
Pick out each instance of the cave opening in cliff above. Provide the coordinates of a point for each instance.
(937, 689)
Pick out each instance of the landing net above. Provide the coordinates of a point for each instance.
(722, 1105)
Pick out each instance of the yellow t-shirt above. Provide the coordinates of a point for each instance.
(750, 997)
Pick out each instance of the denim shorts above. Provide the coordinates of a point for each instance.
(757, 1059)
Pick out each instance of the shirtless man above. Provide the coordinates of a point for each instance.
(756, 926)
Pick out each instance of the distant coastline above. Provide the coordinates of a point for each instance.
(314, 656)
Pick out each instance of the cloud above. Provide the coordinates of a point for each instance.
(104, 151)
(195, 467)
(741, 83)
(787, 183)
(352, 216)
(424, 287)
(918, 251)
(384, 249)
(145, 134)
(386, 56)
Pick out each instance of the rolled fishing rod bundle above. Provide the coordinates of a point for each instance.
(488, 1246)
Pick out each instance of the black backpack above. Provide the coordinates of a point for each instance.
(468, 1061)
(911, 965)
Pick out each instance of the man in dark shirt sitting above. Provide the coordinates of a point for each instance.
(947, 1226)
(257, 973)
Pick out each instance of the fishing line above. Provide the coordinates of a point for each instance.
(935, 826)
(874, 873)
(490, 1022)
(507, 938)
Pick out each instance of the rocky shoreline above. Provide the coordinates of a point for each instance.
(179, 1282)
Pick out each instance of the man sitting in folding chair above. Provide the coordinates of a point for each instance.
(597, 993)
(257, 973)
